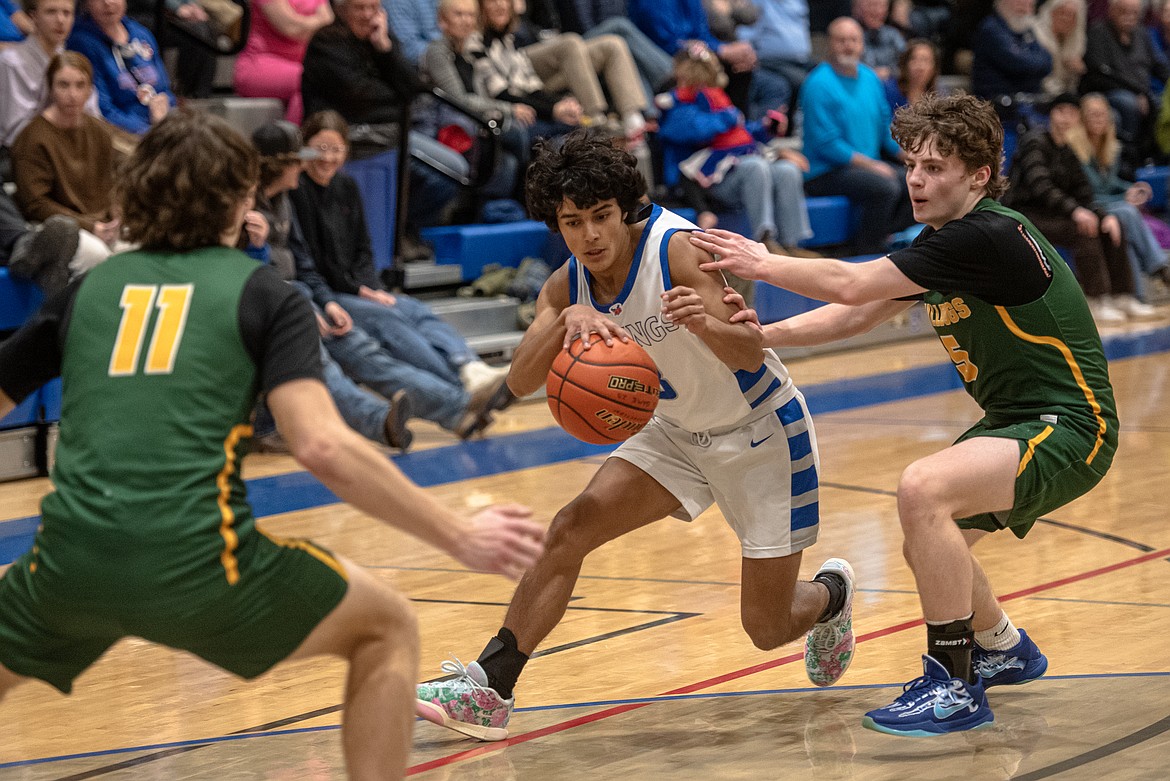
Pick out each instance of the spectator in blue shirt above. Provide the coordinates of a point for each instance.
(846, 135)
(14, 23)
(128, 72)
(673, 23)
(1009, 62)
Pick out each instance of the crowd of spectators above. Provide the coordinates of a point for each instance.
(731, 106)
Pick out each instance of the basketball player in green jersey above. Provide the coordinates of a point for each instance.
(149, 532)
(1014, 322)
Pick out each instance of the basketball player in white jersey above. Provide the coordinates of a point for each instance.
(730, 428)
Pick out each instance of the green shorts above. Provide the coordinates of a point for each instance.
(1052, 471)
(51, 628)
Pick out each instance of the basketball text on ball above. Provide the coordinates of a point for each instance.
(631, 385)
(615, 421)
(603, 395)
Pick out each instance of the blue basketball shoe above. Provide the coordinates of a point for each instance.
(1021, 663)
(934, 704)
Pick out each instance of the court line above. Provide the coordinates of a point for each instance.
(168, 750)
(754, 669)
(187, 746)
(181, 746)
(1100, 752)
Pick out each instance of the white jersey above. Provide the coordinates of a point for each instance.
(699, 391)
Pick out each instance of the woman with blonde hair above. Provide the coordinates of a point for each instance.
(1096, 145)
(1060, 28)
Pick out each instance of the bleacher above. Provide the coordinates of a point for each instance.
(461, 252)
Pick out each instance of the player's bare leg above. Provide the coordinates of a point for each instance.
(8, 680)
(1004, 655)
(972, 477)
(375, 630)
(478, 701)
(775, 607)
(619, 499)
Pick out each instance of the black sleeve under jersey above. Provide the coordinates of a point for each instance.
(279, 330)
(32, 356)
(986, 254)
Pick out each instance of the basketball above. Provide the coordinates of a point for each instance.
(603, 395)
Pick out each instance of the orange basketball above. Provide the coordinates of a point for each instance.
(604, 394)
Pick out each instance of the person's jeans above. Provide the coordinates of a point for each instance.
(883, 203)
(364, 412)
(412, 333)
(772, 194)
(430, 190)
(365, 361)
(654, 65)
(1145, 254)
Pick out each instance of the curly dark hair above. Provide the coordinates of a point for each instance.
(183, 186)
(586, 168)
(961, 125)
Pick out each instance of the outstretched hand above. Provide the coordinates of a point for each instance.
(502, 540)
(741, 256)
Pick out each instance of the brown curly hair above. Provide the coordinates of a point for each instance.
(587, 169)
(183, 186)
(961, 125)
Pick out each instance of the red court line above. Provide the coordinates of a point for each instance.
(694, 687)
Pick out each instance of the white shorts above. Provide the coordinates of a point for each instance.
(764, 475)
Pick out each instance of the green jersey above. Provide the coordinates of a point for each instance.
(161, 358)
(1014, 321)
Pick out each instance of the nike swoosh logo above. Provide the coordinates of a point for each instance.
(762, 441)
(946, 711)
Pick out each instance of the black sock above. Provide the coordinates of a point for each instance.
(837, 590)
(950, 645)
(503, 662)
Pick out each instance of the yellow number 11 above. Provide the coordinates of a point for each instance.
(138, 303)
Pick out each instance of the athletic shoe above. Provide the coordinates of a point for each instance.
(934, 704)
(477, 377)
(465, 703)
(828, 647)
(397, 434)
(1021, 663)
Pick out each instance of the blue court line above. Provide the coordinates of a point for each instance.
(512, 452)
(534, 709)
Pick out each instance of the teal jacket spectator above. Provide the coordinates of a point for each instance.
(844, 115)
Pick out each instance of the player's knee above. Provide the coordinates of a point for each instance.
(393, 619)
(919, 495)
(573, 529)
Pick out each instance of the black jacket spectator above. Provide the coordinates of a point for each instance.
(1007, 62)
(353, 78)
(1111, 65)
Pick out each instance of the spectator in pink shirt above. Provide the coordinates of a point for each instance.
(270, 64)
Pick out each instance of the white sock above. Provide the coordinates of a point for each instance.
(1000, 637)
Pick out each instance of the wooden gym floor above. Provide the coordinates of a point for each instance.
(650, 676)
